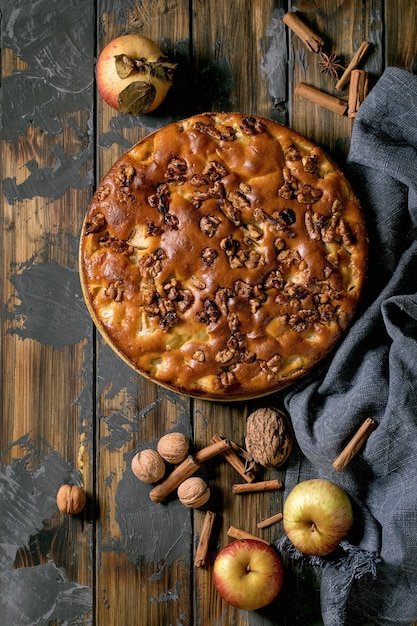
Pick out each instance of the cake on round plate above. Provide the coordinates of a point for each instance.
(223, 256)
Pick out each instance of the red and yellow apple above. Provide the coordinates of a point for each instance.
(317, 516)
(248, 574)
(133, 75)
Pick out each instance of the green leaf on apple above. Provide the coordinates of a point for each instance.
(137, 97)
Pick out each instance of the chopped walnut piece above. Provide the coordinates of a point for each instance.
(222, 296)
(209, 225)
(198, 180)
(238, 199)
(290, 186)
(176, 170)
(254, 232)
(199, 356)
(233, 322)
(185, 300)
(197, 282)
(114, 291)
(274, 280)
(97, 222)
(292, 153)
(102, 192)
(231, 211)
(312, 227)
(209, 255)
(227, 134)
(307, 194)
(227, 378)
(125, 174)
(226, 355)
(119, 246)
(310, 163)
(252, 126)
(215, 170)
(287, 257)
(152, 229)
(254, 260)
(171, 221)
(160, 199)
(210, 312)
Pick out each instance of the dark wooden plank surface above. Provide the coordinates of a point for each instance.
(71, 410)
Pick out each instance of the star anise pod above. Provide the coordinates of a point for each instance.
(330, 64)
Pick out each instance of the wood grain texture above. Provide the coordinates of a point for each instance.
(71, 410)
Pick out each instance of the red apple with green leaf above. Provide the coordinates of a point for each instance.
(133, 75)
(317, 516)
(248, 574)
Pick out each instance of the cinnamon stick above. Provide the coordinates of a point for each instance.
(332, 103)
(358, 90)
(313, 42)
(183, 471)
(354, 445)
(263, 485)
(237, 533)
(235, 461)
(204, 541)
(356, 60)
(186, 469)
(219, 447)
(270, 520)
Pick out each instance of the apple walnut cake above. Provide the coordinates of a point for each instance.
(223, 256)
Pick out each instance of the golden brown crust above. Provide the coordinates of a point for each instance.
(223, 256)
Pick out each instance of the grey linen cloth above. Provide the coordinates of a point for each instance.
(372, 578)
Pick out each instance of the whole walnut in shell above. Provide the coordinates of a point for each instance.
(269, 437)
(148, 466)
(193, 492)
(71, 499)
(173, 447)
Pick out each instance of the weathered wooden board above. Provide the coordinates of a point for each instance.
(71, 410)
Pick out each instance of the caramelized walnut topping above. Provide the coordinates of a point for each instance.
(221, 297)
(152, 229)
(118, 246)
(288, 257)
(199, 356)
(252, 126)
(271, 367)
(125, 174)
(227, 133)
(210, 312)
(292, 153)
(209, 225)
(150, 265)
(160, 199)
(231, 211)
(197, 282)
(176, 170)
(285, 217)
(115, 291)
(239, 200)
(274, 280)
(198, 180)
(102, 192)
(310, 163)
(123, 196)
(307, 194)
(226, 379)
(98, 221)
(209, 255)
(171, 221)
(214, 170)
